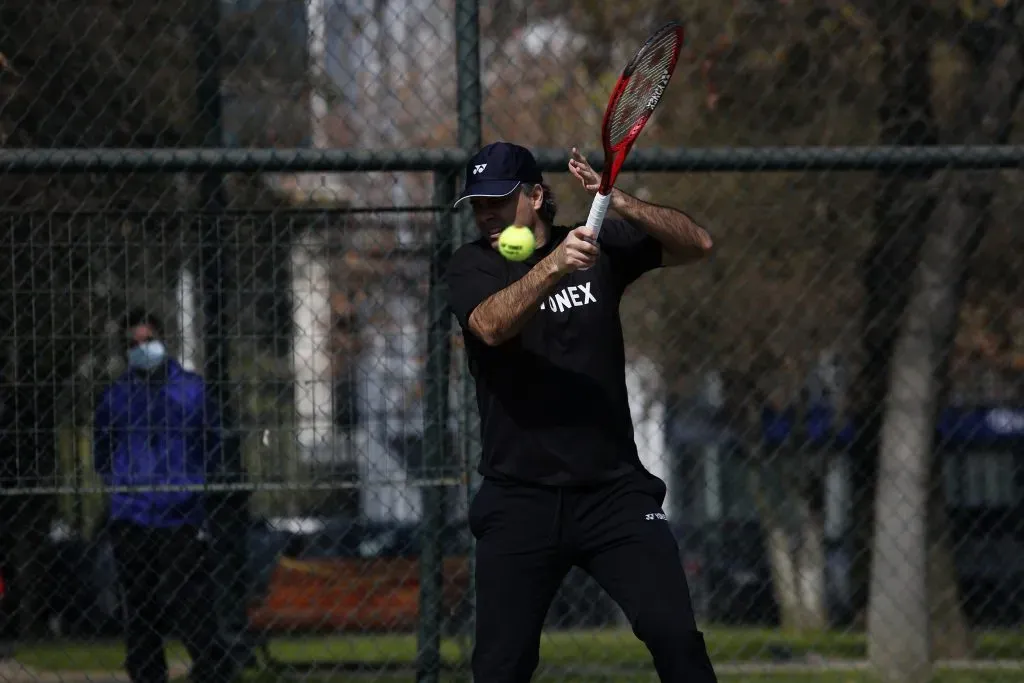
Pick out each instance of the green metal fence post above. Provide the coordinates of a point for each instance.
(435, 425)
(470, 127)
(229, 511)
(661, 160)
(467, 73)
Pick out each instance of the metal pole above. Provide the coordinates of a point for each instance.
(467, 73)
(470, 138)
(228, 511)
(652, 160)
(428, 659)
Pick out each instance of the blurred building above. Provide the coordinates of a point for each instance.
(348, 74)
(712, 461)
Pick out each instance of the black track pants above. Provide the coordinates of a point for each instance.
(529, 537)
(166, 587)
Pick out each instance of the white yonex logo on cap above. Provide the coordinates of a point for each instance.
(479, 168)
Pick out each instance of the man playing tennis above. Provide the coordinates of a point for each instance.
(562, 481)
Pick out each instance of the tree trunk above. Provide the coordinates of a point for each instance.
(795, 545)
(903, 207)
(990, 99)
(951, 635)
(901, 615)
(798, 579)
(899, 645)
(810, 555)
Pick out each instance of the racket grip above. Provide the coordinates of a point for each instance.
(597, 211)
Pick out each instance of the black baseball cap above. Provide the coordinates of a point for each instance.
(498, 169)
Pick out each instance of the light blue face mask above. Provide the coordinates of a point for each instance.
(147, 356)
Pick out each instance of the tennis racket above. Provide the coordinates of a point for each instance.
(636, 94)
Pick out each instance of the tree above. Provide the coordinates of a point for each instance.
(63, 85)
(901, 208)
(94, 74)
(777, 246)
(799, 256)
(913, 578)
(791, 440)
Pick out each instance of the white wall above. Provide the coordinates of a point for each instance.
(647, 406)
(188, 319)
(311, 316)
(389, 371)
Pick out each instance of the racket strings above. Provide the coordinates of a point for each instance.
(644, 87)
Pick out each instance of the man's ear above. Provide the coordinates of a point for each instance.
(537, 197)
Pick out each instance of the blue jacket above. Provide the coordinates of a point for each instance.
(164, 432)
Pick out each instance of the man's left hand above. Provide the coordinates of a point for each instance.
(581, 170)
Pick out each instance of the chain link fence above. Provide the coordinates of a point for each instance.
(834, 400)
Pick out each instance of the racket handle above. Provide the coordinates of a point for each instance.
(597, 211)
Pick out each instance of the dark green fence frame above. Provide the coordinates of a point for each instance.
(446, 165)
(676, 160)
(210, 162)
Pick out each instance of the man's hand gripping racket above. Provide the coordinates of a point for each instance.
(633, 100)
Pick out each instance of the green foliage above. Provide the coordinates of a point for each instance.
(788, 246)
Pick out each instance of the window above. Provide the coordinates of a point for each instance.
(989, 479)
(727, 493)
(951, 477)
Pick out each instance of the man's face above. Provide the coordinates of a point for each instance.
(140, 334)
(494, 214)
(146, 353)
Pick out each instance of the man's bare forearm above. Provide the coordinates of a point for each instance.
(680, 236)
(503, 315)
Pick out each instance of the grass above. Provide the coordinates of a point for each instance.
(819, 677)
(601, 648)
(562, 652)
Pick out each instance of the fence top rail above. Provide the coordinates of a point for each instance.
(282, 213)
(721, 159)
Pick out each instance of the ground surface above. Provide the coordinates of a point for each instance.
(611, 656)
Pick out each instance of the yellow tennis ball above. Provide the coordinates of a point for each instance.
(516, 243)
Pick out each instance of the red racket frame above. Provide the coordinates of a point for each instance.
(616, 155)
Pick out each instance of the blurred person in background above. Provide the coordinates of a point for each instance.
(156, 426)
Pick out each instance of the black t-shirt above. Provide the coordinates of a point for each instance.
(553, 404)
